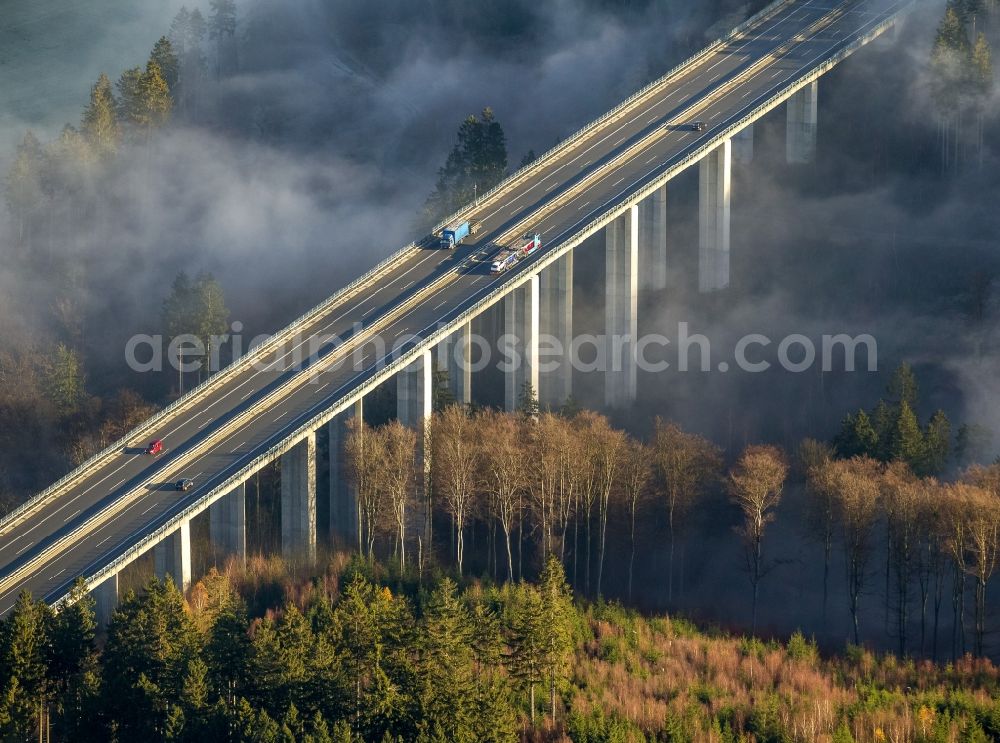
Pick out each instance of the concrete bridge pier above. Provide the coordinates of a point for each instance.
(715, 173)
(743, 145)
(172, 557)
(454, 356)
(343, 495)
(801, 124)
(414, 406)
(227, 523)
(653, 240)
(298, 501)
(555, 371)
(521, 317)
(621, 308)
(105, 601)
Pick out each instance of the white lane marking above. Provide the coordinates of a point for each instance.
(246, 395)
(237, 447)
(281, 416)
(205, 423)
(141, 514)
(71, 515)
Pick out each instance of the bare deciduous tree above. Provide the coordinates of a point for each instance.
(901, 499)
(685, 464)
(755, 484)
(398, 477)
(455, 466)
(855, 483)
(365, 456)
(635, 477)
(504, 458)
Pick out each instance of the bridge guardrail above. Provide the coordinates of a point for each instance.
(405, 359)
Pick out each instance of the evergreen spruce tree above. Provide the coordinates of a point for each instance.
(24, 652)
(907, 442)
(23, 189)
(64, 383)
(164, 57)
(857, 437)
(73, 662)
(528, 642)
(100, 119)
(937, 444)
(446, 685)
(527, 401)
(558, 611)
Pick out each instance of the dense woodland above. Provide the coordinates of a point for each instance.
(448, 641)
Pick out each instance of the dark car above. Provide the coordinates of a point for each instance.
(698, 126)
(184, 485)
(155, 447)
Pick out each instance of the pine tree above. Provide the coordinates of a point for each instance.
(72, 662)
(100, 119)
(24, 650)
(445, 668)
(23, 189)
(443, 397)
(558, 612)
(528, 642)
(903, 386)
(64, 382)
(164, 57)
(222, 28)
(907, 443)
(937, 444)
(857, 437)
(144, 99)
(476, 163)
(527, 402)
(151, 642)
(210, 313)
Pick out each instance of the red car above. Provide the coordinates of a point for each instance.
(155, 447)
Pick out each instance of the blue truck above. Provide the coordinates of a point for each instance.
(453, 235)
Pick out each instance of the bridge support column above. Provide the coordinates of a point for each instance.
(713, 234)
(521, 341)
(298, 501)
(227, 523)
(105, 601)
(454, 356)
(802, 117)
(414, 405)
(555, 288)
(621, 308)
(343, 494)
(653, 240)
(172, 557)
(743, 145)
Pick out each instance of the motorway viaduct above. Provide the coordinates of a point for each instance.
(609, 178)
